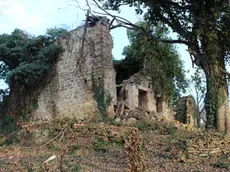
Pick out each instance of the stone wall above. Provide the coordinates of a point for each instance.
(186, 111)
(132, 87)
(137, 92)
(210, 146)
(70, 92)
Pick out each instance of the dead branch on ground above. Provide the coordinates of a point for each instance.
(61, 135)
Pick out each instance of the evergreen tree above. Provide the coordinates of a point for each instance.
(25, 60)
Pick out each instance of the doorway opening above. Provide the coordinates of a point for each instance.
(143, 99)
(159, 104)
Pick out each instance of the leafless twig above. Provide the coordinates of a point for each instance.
(122, 22)
(63, 133)
(83, 39)
(61, 160)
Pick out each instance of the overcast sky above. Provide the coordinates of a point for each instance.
(35, 16)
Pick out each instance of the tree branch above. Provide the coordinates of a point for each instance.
(178, 28)
(224, 71)
(83, 40)
(193, 51)
(178, 41)
(122, 22)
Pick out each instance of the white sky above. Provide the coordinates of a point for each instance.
(35, 16)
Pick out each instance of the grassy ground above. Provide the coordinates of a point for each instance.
(99, 147)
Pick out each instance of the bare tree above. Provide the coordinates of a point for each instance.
(198, 88)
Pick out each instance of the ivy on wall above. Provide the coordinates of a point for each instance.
(102, 97)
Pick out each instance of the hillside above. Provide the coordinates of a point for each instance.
(146, 145)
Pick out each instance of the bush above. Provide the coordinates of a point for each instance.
(7, 125)
(9, 141)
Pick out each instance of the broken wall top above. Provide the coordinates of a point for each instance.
(138, 78)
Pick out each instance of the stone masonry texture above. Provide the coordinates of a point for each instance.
(70, 90)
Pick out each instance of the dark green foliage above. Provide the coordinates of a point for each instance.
(203, 26)
(159, 61)
(221, 165)
(25, 61)
(75, 169)
(7, 125)
(10, 141)
(143, 126)
(25, 58)
(100, 145)
(211, 104)
(181, 109)
(125, 68)
(4, 97)
(222, 162)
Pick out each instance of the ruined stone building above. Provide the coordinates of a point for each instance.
(83, 78)
(78, 72)
(186, 111)
(137, 92)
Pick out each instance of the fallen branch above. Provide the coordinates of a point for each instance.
(63, 133)
(60, 134)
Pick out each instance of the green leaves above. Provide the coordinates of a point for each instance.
(161, 61)
(25, 58)
(158, 60)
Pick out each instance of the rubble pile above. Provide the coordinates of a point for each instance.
(211, 145)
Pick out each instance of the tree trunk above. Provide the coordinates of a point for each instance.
(216, 100)
(198, 120)
(19, 101)
(197, 110)
(13, 101)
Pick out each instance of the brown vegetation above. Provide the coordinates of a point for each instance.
(150, 145)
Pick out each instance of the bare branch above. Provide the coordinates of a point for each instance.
(179, 41)
(120, 25)
(225, 72)
(122, 22)
(88, 5)
(83, 39)
(111, 23)
(129, 25)
(77, 6)
(119, 19)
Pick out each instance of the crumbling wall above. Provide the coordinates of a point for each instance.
(209, 144)
(70, 92)
(132, 88)
(137, 92)
(186, 111)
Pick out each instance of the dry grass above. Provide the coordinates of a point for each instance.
(101, 147)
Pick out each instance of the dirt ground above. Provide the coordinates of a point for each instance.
(101, 147)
